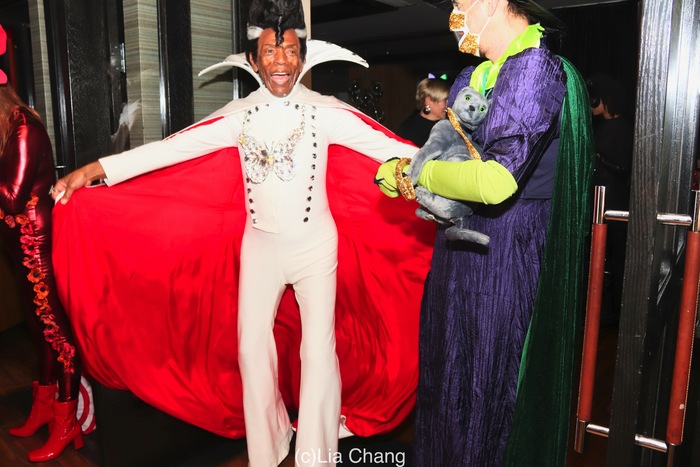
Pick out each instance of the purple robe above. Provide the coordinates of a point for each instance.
(478, 300)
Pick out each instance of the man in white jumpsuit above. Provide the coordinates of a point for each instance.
(283, 131)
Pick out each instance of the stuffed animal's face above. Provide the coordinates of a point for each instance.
(470, 107)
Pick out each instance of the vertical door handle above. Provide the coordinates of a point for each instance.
(594, 299)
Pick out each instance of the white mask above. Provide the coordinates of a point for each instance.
(467, 41)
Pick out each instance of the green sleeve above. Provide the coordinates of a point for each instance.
(484, 182)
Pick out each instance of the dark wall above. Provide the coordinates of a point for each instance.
(603, 38)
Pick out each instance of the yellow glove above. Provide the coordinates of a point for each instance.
(386, 177)
(485, 182)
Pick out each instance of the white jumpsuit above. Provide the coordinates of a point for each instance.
(290, 238)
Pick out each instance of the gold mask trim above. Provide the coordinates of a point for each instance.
(456, 21)
(469, 45)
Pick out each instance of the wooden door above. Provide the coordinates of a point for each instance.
(666, 147)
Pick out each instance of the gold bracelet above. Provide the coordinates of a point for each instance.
(403, 182)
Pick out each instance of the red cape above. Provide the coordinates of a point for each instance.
(148, 273)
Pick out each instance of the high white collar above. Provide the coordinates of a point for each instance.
(317, 52)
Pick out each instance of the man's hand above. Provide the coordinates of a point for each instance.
(386, 178)
(75, 180)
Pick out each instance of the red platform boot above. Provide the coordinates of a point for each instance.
(42, 410)
(65, 429)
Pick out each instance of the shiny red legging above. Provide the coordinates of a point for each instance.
(26, 174)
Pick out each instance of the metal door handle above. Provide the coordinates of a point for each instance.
(594, 299)
(684, 341)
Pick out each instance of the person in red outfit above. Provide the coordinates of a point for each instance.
(27, 173)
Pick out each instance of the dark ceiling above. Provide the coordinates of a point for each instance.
(380, 32)
(412, 32)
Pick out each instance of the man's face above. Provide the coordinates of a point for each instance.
(279, 66)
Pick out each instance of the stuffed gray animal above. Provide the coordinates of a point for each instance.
(445, 143)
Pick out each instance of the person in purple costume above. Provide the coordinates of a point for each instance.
(478, 301)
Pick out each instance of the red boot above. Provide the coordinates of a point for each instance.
(42, 410)
(65, 430)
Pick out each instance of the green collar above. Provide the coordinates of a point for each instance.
(485, 75)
